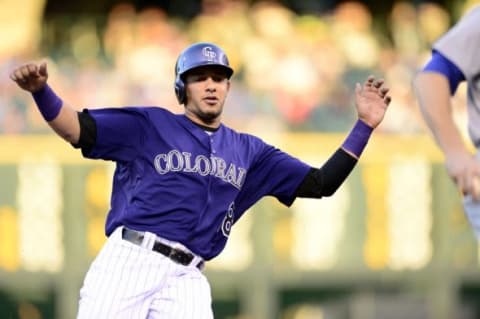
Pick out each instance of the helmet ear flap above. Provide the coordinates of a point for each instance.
(180, 90)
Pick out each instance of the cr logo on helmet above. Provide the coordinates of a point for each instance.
(209, 53)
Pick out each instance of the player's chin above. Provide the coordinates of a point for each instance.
(210, 115)
(213, 109)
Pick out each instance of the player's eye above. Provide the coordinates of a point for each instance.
(196, 78)
(218, 77)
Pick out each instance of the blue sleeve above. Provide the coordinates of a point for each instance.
(440, 64)
(120, 132)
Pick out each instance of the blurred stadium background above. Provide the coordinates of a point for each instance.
(392, 243)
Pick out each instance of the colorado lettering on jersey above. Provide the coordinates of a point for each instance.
(176, 161)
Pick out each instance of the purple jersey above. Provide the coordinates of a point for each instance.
(177, 181)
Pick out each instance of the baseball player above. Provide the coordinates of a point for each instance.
(455, 59)
(182, 181)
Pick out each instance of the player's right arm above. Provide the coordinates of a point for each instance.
(60, 116)
(433, 87)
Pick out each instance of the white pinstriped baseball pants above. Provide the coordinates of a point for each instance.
(134, 282)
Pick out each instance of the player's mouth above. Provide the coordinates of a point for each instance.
(211, 100)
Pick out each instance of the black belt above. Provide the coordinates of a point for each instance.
(177, 255)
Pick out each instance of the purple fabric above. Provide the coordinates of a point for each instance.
(185, 185)
(48, 103)
(358, 138)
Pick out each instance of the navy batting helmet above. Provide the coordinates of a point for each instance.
(197, 55)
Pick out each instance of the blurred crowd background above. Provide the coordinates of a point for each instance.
(296, 65)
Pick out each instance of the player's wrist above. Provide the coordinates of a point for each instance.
(358, 138)
(48, 103)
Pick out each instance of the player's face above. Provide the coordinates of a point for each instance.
(206, 90)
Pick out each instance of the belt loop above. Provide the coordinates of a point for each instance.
(148, 240)
(117, 233)
(198, 263)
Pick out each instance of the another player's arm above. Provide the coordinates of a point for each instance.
(434, 86)
(433, 96)
(371, 101)
(60, 116)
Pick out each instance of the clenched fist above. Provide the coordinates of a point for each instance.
(30, 77)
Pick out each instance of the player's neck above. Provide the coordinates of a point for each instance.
(207, 128)
(211, 127)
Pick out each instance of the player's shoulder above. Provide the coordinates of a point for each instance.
(462, 38)
(129, 109)
(240, 135)
(474, 10)
(149, 109)
(471, 18)
(245, 138)
(149, 112)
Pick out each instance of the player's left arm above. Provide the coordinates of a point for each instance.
(325, 181)
(371, 101)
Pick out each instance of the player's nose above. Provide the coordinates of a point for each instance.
(210, 83)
